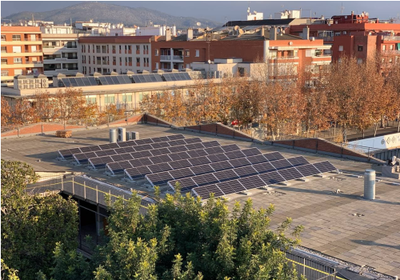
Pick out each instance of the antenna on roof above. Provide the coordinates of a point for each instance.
(341, 9)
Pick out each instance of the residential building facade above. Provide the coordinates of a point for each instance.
(118, 54)
(60, 50)
(21, 52)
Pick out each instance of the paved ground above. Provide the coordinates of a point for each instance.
(341, 225)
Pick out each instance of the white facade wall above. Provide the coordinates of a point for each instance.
(114, 57)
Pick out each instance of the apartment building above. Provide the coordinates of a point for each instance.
(281, 53)
(60, 50)
(354, 35)
(21, 52)
(120, 54)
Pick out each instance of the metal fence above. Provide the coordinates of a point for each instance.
(312, 269)
(84, 188)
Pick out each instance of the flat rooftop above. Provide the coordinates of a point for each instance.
(338, 221)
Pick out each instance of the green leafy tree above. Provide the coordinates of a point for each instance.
(182, 238)
(32, 225)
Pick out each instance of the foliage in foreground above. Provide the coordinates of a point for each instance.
(179, 238)
(32, 225)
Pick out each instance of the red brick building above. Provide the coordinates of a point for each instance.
(355, 35)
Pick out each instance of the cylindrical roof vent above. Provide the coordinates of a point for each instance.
(369, 184)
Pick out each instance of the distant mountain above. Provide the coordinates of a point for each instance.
(102, 12)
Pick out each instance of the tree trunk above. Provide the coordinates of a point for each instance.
(375, 129)
(344, 132)
(382, 122)
(363, 133)
(398, 125)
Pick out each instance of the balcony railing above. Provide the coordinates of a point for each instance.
(391, 38)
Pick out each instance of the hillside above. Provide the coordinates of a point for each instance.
(102, 12)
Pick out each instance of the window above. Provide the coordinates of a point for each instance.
(137, 48)
(137, 61)
(359, 61)
(197, 53)
(97, 49)
(156, 51)
(156, 65)
(187, 53)
(91, 99)
(340, 48)
(3, 49)
(33, 49)
(17, 72)
(384, 47)
(4, 72)
(360, 48)
(109, 99)
(391, 47)
(17, 49)
(126, 97)
(88, 48)
(4, 61)
(16, 37)
(3, 37)
(17, 60)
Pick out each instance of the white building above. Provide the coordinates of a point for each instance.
(60, 50)
(155, 30)
(119, 54)
(288, 14)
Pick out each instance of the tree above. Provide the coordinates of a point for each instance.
(69, 104)
(5, 112)
(32, 225)
(210, 241)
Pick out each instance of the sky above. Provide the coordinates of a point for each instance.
(222, 11)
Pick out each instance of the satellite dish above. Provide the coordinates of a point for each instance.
(198, 23)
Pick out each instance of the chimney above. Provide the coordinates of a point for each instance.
(272, 33)
(168, 34)
(189, 34)
(262, 31)
(306, 33)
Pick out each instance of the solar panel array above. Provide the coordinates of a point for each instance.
(158, 157)
(191, 163)
(114, 80)
(78, 82)
(68, 153)
(252, 165)
(176, 77)
(147, 78)
(261, 180)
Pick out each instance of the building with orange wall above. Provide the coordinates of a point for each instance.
(21, 51)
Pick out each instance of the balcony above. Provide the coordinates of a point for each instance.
(177, 58)
(391, 38)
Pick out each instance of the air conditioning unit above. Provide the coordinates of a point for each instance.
(121, 134)
(128, 136)
(113, 135)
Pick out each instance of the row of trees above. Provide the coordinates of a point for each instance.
(345, 94)
(178, 238)
(65, 105)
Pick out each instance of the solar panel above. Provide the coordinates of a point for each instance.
(245, 171)
(137, 172)
(179, 156)
(204, 179)
(222, 165)
(181, 173)
(252, 182)
(105, 153)
(159, 145)
(163, 139)
(159, 178)
(325, 166)
(179, 163)
(281, 164)
(195, 146)
(214, 150)
(179, 148)
(308, 170)
(296, 161)
(235, 154)
(117, 167)
(199, 160)
(210, 144)
(201, 169)
(226, 175)
(121, 157)
(141, 154)
(140, 162)
(161, 151)
(100, 162)
(176, 137)
(197, 153)
(251, 152)
(178, 142)
(229, 148)
(256, 159)
(274, 156)
(192, 140)
(290, 174)
(217, 157)
(239, 162)
(143, 147)
(144, 141)
(205, 191)
(185, 183)
(271, 178)
(160, 159)
(229, 187)
(264, 167)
